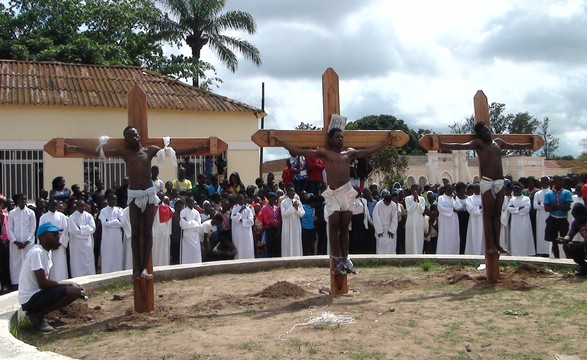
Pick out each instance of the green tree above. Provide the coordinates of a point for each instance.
(550, 141)
(304, 126)
(523, 123)
(126, 32)
(201, 22)
(389, 122)
(392, 163)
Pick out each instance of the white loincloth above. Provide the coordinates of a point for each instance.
(143, 197)
(339, 199)
(487, 184)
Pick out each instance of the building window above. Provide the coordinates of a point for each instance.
(21, 171)
(110, 170)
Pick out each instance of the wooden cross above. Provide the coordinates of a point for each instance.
(144, 299)
(436, 141)
(319, 138)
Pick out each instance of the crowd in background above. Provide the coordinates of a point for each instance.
(207, 219)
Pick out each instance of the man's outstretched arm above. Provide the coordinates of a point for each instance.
(516, 146)
(469, 145)
(294, 150)
(373, 149)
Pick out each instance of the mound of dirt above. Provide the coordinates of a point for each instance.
(282, 290)
(74, 313)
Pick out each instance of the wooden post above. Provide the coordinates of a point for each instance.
(307, 138)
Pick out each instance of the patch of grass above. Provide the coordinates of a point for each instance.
(362, 354)
(248, 346)
(429, 265)
(115, 286)
(504, 354)
(91, 338)
(196, 356)
(16, 324)
(248, 313)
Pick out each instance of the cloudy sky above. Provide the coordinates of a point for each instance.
(420, 61)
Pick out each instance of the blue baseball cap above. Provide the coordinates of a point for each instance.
(47, 227)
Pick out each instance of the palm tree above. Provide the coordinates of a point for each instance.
(200, 22)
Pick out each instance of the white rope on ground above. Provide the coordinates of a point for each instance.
(326, 318)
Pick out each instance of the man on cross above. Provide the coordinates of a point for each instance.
(340, 192)
(142, 195)
(492, 180)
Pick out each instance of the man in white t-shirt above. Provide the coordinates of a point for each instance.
(38, 293)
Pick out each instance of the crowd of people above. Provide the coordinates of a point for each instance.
(208, 219)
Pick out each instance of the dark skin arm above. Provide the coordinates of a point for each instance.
(45, 283)
(554, 207)
(294, 150)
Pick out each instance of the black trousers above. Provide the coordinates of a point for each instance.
(273, 242)
(576, 251)
(5, 265)
(555, 227)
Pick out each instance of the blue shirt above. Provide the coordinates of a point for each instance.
(308, 219)
(558, 198)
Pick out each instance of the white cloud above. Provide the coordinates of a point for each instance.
(421, 61)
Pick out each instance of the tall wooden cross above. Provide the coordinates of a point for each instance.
(436, 141)
(308, 138)
(144, 300)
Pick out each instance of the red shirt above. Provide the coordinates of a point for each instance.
(287, 175)
(270, 216)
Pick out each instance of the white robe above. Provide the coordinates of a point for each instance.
(448, 225)
(127, 240)
(291, 228)
(21, 228)
(522, 241)
(59, 257)
(190, 241)
(242, 231)
(161, 240)
(415, 225)
(385, 219)
(474, 245)
(111, 248)
(542, 246)
(81, 227)
(504, 230)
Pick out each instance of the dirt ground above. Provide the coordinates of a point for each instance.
(421, 312)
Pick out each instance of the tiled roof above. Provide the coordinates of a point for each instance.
(54, 83)
(274, 166)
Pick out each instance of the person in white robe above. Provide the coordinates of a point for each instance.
(190, 223)
(522, 239)
(242, 219)
(21, 230)
(59, 270)
(448, 223)
(162, 233)
(415, 206)
(111, 247)
(542, 246)
(385, 220)
(81, 227)
(504, 232)
(291, 225)
(127, 240)
(474, 244)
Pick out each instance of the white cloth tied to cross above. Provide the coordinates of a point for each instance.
(102, 140)
(166, 152)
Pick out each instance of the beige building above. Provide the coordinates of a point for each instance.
(44, 100)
